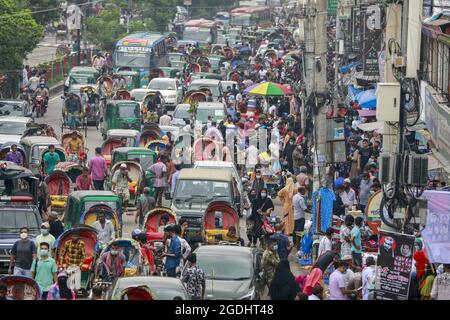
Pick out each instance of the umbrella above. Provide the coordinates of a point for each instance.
(270, 89)
(248, 89)
(367, 99)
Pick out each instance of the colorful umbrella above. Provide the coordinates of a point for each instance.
(270, 89)
(249, 88)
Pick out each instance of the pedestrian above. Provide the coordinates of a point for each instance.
(159, 169)
(344, 235)
(44, 269)
(302, 178)
(60, 290)
(173, 254)
(286, 197)
(84, 181)
(174, 179)
(297, 159)
(71, 258)
(300, 209)
(314, 279)
(325, 242)
(269, 262)
(165, 119)
(337, 286)
(338, 205)
(22, 255)
(4, 292)
(51, 159)
(120, 181)
(261, 206)
(97, 293)
(441, 285)
(105, 229)
(284, 245)
(194, 278)
(283, 285)
(56, 225)
(317, 293)
(368, 279)
(43, 196)
(14, 155)
(348, 196)
(365, 152)
(98, 169)
(355, 238)
(185, 247)
(147, 255)
(364, 191)
(112, 263)
(324, 261)
(46, 237)
(144, 204)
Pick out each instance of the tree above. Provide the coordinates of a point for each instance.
(19, 34)
(46, 10)
(160, 11)
(105, 29)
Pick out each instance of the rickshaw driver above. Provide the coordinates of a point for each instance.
(120, 182)
(74, 251)
(75, 147)
(112, 263)
(51, 159)
(72, 107)
(105, 229)
(230, 236)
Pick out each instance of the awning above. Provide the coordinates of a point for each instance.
(371, 126)
(367, 113)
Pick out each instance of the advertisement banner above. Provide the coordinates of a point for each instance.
(436, 235)
(372, 214)
(394, 266)
(371, 29)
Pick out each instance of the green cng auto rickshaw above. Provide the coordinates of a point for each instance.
(80, 201)
(35, 147)
(170, 72)
(132, 78)
(121, 114)
(145, 157)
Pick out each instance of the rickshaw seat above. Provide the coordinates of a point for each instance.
(154, 236)
(210, 234)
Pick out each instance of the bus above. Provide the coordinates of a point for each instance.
(141, 52)
(250, 16)
(201, 30)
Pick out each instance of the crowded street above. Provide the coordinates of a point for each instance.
(208, 150)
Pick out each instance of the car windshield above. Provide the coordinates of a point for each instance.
(232, 268)
(201, 191)
(161, 292)
(213, 87)
(10, 109)
(128, 111)
(12, 220)
(145, 160)
(182, 113)
(80, 79)
(12, 128)
(161, 85)
(202, 114)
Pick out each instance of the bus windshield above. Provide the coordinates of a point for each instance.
(133, 59)
(195, 34)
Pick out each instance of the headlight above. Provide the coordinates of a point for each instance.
(248, 296)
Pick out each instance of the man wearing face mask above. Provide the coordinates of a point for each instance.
(44, 269)
(46, 237)
(71, 258)
(23, 253)
(257, 185)
(112, 263)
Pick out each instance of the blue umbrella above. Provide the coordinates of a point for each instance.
(367, 99)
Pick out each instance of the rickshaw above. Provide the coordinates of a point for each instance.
(137, 293)
(206, 148)
(131, 135)
(122, 95)
(72, 169)
(59, 187)
(91, 109)
(157, 146)
(107, 148)
(121, 114)
(36, 129)
(78, 119)
(152, 222)
(6, 147)
(157, 73)
(80, 201)
(145, 157)
(149, 105)
(91, 248)
(82, 156)
(135, 172)
(130, 248)
(149, 134)
(228, 53)
(132, 78)
(193, 96)
(35, 147)
(219, 216)
(91, 215)
(21, 288)
(194, 67)
(107, 90)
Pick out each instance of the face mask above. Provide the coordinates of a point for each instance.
(44, 231)
(23, 235)
(43, 252)
(263, 195)
(258, 176)
(114, 252)
(275, 247)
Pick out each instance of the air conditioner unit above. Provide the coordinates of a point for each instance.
(388, 166)
(417, 170)
(388, 102)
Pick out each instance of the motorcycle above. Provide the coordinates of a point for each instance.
(39, 106)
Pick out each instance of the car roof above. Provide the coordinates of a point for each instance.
(220, 250)
(212, 163)
(205, 81)
(164, 79)
(154, 281)
(40, 139)
(123, 132)
(210, 105)
(141, 90)
(205, 174)
(13, 101)
(15, 119)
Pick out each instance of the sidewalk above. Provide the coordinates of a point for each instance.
(44, 52)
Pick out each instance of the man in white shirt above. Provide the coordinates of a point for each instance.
(165, 119)
(299, 211)
(368, 280)
(348, 196)
(325, 242)
(105, 229)
(25, 76)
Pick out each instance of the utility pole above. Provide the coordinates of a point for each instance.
(309, 48)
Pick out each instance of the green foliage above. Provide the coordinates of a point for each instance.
(160, 11)
(104, 31)
(19, 34)
(39, 5)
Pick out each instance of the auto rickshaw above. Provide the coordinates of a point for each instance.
(152, 223)
(193, 96)
(21, 288)
(72, 169)
(59, 187)
(219, 216)
(34, 147)
(91, 106)
(82, 156)
(6, 147)
(91, 215)
(145, 157)
(131, 135)
(150, 132)
(137, 293)
(157, 146)
(91, 248)
(78, 119)
(137, 176)
(132, 78)
(19, 183)
(107, 148)
(80, 201)
(150, 105)
(130, 248)
(122, 95)
(107, 83)
(121, 114)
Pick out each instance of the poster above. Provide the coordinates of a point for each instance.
(394, 266)
(372, 38)
(372, 214)
(436, 235)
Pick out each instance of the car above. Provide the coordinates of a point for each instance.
(81, 76)
(215, 109)
(180, 113)
(12, 128)
(13, 216)
(222, 165)
(164, 288)
(233, 278)
(14, 107)
(171, 89)
(212, 84)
